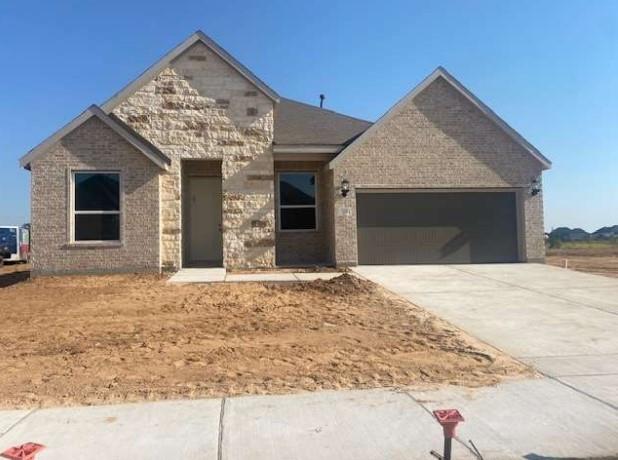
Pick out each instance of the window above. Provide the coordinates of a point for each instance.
(96, 206)
(297, 201)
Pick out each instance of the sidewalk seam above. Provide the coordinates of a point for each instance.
(220, 441)
(537, 291)
(18, 422)
(557, 380)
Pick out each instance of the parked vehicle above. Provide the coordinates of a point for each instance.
(14, 244)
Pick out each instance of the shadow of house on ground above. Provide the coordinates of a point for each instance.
(8, 279)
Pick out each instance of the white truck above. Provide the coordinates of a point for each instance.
(14, 244)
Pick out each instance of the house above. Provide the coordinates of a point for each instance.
(199, 163)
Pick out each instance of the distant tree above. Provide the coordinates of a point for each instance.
(554, 241)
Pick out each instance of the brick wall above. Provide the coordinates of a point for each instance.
(94, 146)
(200, 107)
(310, 247)
(439, 140)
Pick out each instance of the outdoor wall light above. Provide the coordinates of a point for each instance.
(345, 187)
(535, 186)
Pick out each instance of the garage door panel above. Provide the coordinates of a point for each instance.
(400, 228)
(400, 245)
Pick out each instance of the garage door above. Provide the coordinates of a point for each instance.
(425, 228)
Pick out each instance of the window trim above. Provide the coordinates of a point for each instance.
(73, 212)
(298, 206)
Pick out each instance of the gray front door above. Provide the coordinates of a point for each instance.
(440, 228)
(203, 237)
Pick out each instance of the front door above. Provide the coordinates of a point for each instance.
(204, 246)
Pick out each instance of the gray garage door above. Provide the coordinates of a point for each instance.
(425, 228)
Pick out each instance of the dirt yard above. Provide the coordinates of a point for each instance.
(600, 261)
(105, 339)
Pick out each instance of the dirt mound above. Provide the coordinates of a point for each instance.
(105, 339)
(342, 285)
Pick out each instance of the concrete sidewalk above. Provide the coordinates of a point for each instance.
(532, 419)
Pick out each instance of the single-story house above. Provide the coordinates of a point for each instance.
(198, 162)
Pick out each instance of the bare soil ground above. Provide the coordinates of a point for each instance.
(600, 261)
(103, 339)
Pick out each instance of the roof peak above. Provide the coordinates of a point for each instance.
(117, 125)
(154, 69)
(438, 72)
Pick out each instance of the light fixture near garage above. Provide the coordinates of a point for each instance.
(535, 186)
(345, 187)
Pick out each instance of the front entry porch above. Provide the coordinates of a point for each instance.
(220, 275)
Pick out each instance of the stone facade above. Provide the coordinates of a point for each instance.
(306, 247)
(94, 146)
(200, 107)
(439, 140)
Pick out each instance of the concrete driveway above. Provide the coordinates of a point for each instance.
(565, 323)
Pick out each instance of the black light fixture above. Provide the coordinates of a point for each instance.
(345, 187)
(535, 186)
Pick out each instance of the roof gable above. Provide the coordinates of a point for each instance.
(137, 141)
(162, 63)
(440, 72)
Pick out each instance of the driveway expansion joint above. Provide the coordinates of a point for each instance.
(18, 422)
(536, 291)
(220, 440)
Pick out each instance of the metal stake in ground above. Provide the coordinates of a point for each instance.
(448, 418)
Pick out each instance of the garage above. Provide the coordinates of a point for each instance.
(436, 227)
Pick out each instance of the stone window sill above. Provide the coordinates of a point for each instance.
(94, 245)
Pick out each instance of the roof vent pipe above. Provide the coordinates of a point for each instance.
(322, 97)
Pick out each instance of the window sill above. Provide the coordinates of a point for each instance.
(300, 230)
(93, 245)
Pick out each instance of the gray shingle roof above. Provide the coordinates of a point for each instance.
(299, 123)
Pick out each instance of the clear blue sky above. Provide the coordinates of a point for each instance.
(549, 68)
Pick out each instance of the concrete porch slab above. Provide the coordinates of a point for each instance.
(317, 276)
(256, 277)
(198, 275)
(219, 275)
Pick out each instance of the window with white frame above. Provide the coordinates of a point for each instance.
(297, 201)
(96, 206)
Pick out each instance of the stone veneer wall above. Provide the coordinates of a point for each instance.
(439, 140)
(199, 107)
(94, 146)
(306, 247)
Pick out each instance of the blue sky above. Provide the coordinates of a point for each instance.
(549, 68)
